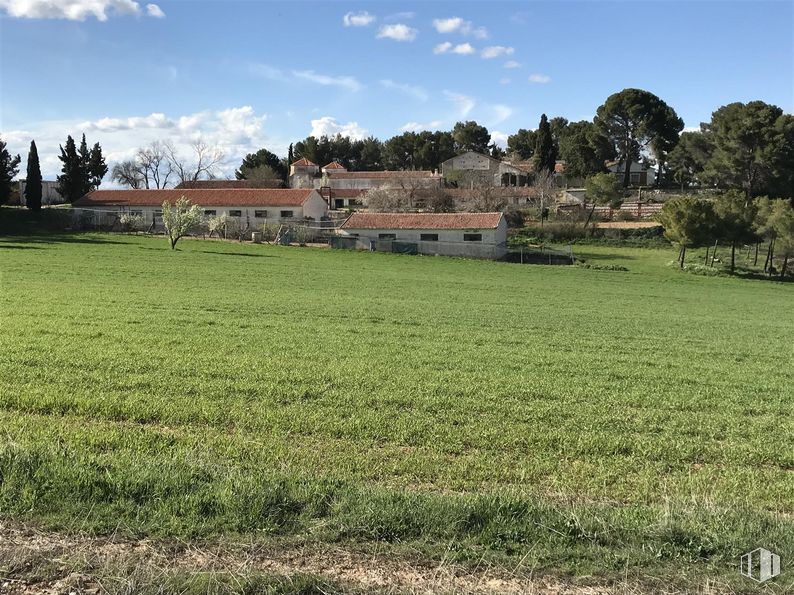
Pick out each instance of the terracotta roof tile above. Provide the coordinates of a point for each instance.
(303, 162)
(208, 197)
(334, 165)
(382, 174)
(422, 221)
(201, 184)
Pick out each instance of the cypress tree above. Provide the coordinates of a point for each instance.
(33, 180)
(545, 155)
(290, 156)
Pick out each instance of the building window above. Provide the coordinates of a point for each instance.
(235, 213)
(260, 214)
(136, 213)
(472, 237)
(387, 236)
(286, 214)
(429, 237)
(209, 213)
(158, 213)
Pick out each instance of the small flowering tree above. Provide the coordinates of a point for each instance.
(180, 219)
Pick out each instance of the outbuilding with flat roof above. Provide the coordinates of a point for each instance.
(470, 235)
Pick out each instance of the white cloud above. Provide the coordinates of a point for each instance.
(458, 25)
(499, 138)
(464, 49)
(155, 11)
(235, 130)
(397, 32)
(156, 120)
(512, 64)
(328, 126)
(500, 113)
(358, 19)
(417, 127)
(494, 51)
(412, 90)
(266, 71)
(463, 103)
(541, 79)
(75, 10)
(345, 82)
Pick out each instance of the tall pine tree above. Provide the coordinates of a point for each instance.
(8, 169)
(97, 168)
(70, 182)
(545, 155)
(82, 169)
(33, 180)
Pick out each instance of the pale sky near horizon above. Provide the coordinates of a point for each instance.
(252, 74)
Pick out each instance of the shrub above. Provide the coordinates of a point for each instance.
(129, 222)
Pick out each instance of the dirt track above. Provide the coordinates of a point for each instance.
(39, 562)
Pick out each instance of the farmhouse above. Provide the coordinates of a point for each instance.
(250, 206)
(639, 173)
(472, 235)
(341, 185)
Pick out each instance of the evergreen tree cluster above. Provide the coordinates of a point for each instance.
(82, 170)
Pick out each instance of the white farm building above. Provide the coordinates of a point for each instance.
(249, 206)
(470, 235)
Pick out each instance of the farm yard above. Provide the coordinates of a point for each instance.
(599, 427)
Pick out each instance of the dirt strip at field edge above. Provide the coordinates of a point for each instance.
(33, 561)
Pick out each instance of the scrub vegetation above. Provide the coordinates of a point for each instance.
(578, 422)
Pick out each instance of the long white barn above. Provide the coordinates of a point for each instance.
(250, 206)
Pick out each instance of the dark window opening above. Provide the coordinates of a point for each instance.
(235, 213)
(429, 237)
(260, 214)
(286, 214)
(472, 237)
(209, 212)
(387, 236)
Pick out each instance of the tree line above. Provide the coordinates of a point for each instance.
(745, 146)
(82, 171)
(693, 221)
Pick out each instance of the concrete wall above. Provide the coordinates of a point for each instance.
(450, 241)
(49, 193)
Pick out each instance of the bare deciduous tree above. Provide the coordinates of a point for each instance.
(204, 165)
(387, 200)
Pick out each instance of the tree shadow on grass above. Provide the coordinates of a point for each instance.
(597, 256)
(58, 239)
(9, 247)
(237, 254)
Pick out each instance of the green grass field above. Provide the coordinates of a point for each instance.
(546, 419)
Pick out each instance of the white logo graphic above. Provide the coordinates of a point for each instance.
(760, 565)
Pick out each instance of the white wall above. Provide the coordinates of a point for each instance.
(450, 241)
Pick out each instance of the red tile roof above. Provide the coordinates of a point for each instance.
(422, 221)
(382, 174)
(303, 161)
(334, 165)
(208, 197)
(200, 184)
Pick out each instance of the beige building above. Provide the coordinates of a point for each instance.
(469, 235)
(251, 207)
(49, 193)
(472, 169)
(343, 188)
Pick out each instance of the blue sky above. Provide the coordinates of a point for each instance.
(243, 75)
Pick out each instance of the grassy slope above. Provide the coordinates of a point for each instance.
(595, 419)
